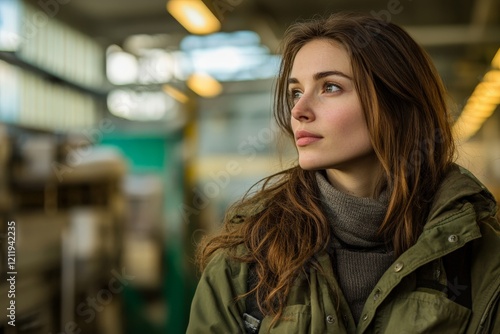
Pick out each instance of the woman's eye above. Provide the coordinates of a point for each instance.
(331, 88)
(295, 94)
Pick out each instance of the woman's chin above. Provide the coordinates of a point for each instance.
(308, 165)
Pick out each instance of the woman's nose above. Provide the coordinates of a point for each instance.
(302, 110)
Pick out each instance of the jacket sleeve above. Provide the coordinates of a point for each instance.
(214, 308)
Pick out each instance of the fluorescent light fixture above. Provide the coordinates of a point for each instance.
(140, 106)
(493, 75)
(481, 104)
(204, 85)
(155, 66)
(488, 88)
(194, 15)
(121, 68)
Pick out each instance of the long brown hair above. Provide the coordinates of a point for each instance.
(282, 226)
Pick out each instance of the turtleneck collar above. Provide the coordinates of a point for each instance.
(355, 220)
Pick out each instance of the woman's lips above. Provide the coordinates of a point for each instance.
(304, 138)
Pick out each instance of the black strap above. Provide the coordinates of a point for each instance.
(457, 266)
(253, 316)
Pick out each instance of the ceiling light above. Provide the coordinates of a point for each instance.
(481, 104)
(493, 75)
(488, 88)
(194, 15)
(121, 68)
(204, 85)
(140, 106)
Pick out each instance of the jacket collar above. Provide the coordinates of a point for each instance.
(459, 203)
(458, 188)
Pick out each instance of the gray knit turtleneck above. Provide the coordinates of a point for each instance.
(360, 257)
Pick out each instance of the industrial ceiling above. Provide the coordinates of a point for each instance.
(462, 36)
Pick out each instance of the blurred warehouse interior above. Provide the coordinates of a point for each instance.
(126, 131)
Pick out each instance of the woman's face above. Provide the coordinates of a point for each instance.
(327, 118)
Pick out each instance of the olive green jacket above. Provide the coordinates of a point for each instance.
(463, 211)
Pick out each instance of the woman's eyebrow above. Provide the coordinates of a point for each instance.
(321, 75)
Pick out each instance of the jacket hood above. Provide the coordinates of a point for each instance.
(458, 188)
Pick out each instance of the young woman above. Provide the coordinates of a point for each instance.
(376, 230)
